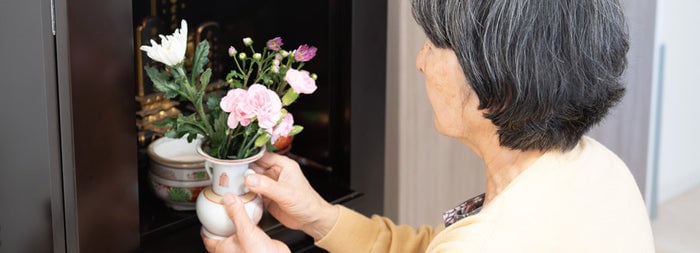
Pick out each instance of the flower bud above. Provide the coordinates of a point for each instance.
(289, 97)
(284, 53)
(314, 76)
(247, 41)
(257, 56)
(262, 139)
(232, 51)
(242, 56)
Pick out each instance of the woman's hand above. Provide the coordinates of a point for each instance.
(289, 197)
(248, 237)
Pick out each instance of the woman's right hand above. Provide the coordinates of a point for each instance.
(289, 197)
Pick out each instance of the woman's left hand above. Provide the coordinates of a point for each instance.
(248, 237)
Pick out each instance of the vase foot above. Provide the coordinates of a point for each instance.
(211, 235)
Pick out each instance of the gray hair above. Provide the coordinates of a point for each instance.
(545, 71)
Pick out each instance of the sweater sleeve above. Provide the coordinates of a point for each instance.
(353, 232)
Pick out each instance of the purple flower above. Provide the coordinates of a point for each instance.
(305, 53)
(275, 44)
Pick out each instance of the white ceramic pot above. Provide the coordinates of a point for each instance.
(176, 159)
(215, 222)
(178, 195)
(228, 176)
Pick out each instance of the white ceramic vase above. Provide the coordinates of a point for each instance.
(227, 176)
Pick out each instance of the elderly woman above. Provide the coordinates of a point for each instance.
(519, 82)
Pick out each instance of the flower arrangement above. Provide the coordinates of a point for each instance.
(252, 113)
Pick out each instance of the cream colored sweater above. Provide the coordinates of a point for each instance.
(584, 200)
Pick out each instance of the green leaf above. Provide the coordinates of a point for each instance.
(234, 79)
(162, 83)
(220, 124)
(220, 127)
(217, 140)
(167, 122)
(237, 84)
(200, 101)
(296, 130)
(267, 79)
(230, 75)
(187, 125)
(200, 59)
(234, 75)
(190, 130)
(213, 102)
(191, 137)
(204, 80)
(289, 97)
(156, 75)
(182, 119)
(174, 134)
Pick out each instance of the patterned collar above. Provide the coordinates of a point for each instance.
(466, 209)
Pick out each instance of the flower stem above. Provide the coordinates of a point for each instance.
(200, 111)
(247, 146)
(197, 99)
(238, 65)
(247, 75)
(227, 143)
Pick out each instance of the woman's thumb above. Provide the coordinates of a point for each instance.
(237, 213)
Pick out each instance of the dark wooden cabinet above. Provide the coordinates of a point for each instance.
(70, 171)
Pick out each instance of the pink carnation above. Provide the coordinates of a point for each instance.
(305, 53)
(283, 128)
(257, 101)
(266, 104)
(300, 81)
(233, 103)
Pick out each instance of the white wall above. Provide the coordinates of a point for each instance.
(679, 129)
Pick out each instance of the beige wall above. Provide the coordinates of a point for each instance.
(426, 173)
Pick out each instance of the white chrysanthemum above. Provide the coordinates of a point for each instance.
(171, 49)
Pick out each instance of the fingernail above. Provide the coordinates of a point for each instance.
(228, 199)
(253, 180)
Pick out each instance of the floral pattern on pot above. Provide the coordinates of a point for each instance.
(178, 195)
